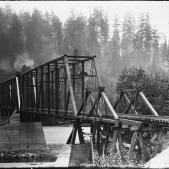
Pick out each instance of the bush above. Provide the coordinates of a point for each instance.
(124, 159)
(154, 87)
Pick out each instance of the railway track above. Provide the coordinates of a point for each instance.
(151, 119)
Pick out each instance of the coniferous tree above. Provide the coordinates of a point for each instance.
(3, 37)
(127, 44)
(164, 51)
(15, 39)
(57, 35)
(143, 40)
(115, 47)
(92, 37)
(74, 35)
(98, 33)
(34, 37)
(155, 65)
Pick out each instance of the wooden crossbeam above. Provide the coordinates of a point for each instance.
(94, 105)
(128, 100)
(148, 103)
(129, 106)
(113, 112)
(98, 111)
(131, 123)
(83, 102)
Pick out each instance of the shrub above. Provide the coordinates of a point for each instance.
(154, 87)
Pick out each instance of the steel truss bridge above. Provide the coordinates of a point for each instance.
(68, 89)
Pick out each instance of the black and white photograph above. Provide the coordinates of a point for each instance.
(84, 84)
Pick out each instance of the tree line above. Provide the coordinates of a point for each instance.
(41, 37)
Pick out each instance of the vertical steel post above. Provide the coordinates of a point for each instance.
(74, 76)
(31, 89)
(23, 93)
(27, 92)
(34, 88)
(52, 82)
(18, 93)
(48, 88)
(56, 87)
(42, 101)
(82, 74)
(10, 95)
(65, 88)
(36, 103)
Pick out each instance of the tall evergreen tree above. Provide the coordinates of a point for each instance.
(127, 44)
(34, 37)
(155, 65)
(143, 40)
(57, 34)
(115, 46)
(164, 51)
(3, 37)
(74, 35)
(98, 32)
(15, 39)
(25, 19)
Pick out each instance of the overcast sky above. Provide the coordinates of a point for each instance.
(158, 10)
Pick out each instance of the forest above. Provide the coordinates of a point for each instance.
(28, 39)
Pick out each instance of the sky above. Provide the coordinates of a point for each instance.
(158, 10)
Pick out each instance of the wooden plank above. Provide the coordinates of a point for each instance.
(131, 122)
(80, 153)
(64, 156)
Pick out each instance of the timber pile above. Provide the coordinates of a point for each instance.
(80, 153)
